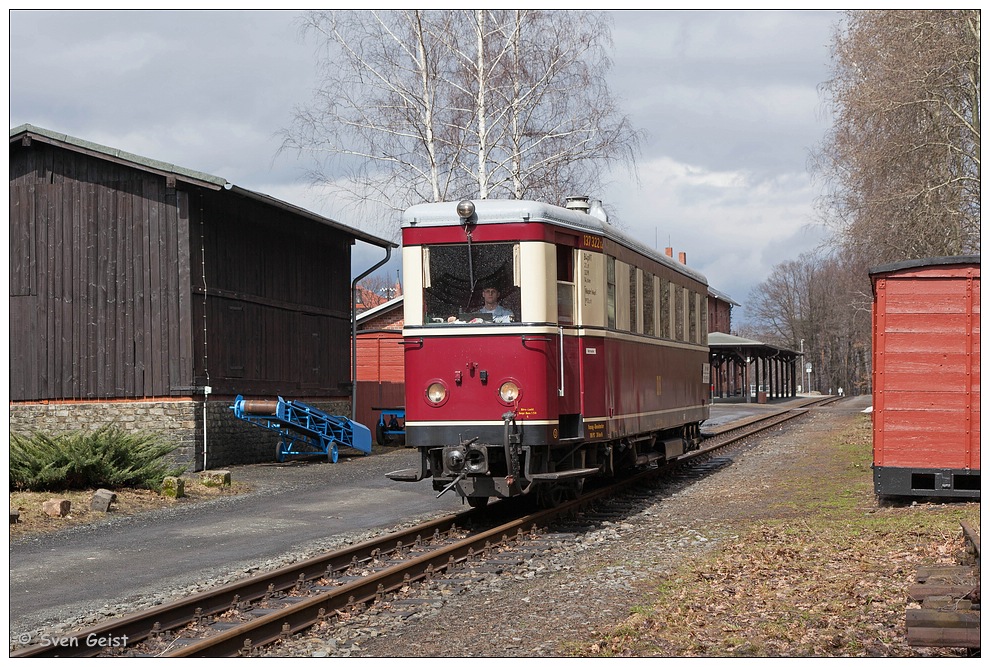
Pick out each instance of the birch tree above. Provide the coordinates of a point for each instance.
(420, 106)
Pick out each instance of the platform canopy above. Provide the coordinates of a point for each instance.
(738, 363)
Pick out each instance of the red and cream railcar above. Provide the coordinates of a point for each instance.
(926, 377)
(601, 365)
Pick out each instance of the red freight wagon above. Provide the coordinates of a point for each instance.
(926, 377)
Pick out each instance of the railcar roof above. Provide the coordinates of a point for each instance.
(500, 211)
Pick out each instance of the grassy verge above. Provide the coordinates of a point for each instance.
(830, 579)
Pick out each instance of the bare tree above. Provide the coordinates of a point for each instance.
(820, 304)
(436, 105)
(379, 288)
(902, 161)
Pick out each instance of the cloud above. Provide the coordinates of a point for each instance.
(728, 98)
(723, 220)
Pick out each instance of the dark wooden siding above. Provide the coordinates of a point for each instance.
(99, 279)
(277, 307)
(130, 283)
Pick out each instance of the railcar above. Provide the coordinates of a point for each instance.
(926, 377)
(602, 364)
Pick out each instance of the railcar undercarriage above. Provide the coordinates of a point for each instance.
(478, 471)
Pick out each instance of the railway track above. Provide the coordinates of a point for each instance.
(949, 602)
(239, 618)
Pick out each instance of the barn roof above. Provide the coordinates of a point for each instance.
(27, 133)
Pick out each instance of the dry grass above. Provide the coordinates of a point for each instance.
(820, 570)
(33, 521)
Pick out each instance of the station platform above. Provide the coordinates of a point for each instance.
(728, 413)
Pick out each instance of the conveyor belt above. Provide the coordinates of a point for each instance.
(304, 430)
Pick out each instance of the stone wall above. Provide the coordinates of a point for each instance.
(229, 441)
(233, 441)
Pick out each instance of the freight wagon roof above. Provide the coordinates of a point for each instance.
(500, 211)
(920, 263)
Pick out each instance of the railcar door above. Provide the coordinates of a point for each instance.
(568, 355)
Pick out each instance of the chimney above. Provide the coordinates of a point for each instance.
(682, 258)
(669, 252)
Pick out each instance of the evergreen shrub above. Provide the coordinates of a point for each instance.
(108, 457)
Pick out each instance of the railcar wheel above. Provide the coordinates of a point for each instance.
(554, 494)
(332, 452)
(477, 501)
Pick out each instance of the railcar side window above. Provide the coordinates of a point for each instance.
(649, 305)
(693, 316)
(665, 308)
(455, 277)
(633, 301)
(610, 290)
(679, 312)
(704, 320)
(565, 285)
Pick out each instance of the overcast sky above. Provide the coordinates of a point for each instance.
(728, 98)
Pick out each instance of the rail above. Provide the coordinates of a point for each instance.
(949, 599)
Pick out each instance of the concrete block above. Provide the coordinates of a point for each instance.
(15, 516)
(174, 487)
(102, 500)
(56, 507)
(215, 478)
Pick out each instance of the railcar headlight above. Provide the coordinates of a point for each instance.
(508, 391)
(465, 208)
(436, 393)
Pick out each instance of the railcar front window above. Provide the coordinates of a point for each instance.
(476, 283)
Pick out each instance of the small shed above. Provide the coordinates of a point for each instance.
(926, 377)
(380, 364)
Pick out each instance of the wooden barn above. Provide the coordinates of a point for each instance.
(149, 296)
(926, 377)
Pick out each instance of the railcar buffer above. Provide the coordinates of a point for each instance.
(303, 429)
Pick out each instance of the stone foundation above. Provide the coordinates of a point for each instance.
(229, 441)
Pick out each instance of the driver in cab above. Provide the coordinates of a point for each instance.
(491, 306)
